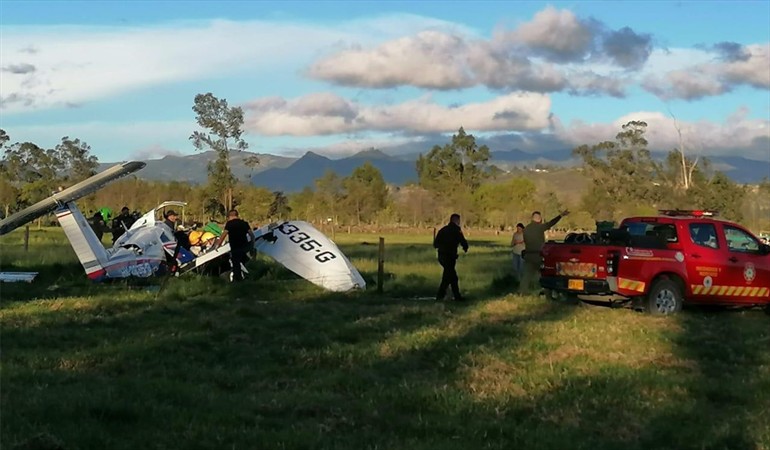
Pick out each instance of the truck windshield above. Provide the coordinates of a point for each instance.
(664, 231)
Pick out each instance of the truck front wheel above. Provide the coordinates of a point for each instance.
(665, 298)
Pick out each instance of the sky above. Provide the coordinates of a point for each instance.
(339, 77)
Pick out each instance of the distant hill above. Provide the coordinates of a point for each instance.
(193, 168)
(293, 174)
(742, 170)
(303, 172)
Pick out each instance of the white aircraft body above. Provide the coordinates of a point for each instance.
(149, 247)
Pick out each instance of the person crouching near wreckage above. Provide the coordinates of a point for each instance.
(238, 231)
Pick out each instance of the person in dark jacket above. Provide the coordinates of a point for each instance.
(239, 232)
(121, 223)
(98, 225)
(446, 242)
(534, 238)
(170, 221)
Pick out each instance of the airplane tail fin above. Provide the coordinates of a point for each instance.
(87, 246)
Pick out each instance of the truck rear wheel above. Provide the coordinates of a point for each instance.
(665, 298)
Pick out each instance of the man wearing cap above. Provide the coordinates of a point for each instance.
(170, 219)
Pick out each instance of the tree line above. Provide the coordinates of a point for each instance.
(622, 177)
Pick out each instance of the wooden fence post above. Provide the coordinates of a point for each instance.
(381, 265)
(26, 238)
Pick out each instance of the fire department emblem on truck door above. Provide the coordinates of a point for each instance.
(749, 272)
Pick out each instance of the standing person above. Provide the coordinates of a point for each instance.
(239, 231)
(534, 238)
(170, 221)
(98, 225)
(446, 242)
(517, 244)
(121, 223)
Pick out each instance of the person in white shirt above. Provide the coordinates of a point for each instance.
(517, 244)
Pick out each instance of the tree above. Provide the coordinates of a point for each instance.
(459, 164)
(330, 194)
(551, 205)
(679, 189)
(279, 208)
(455, 171)
(9, 195)
(686, 166)
(251, 162)
(623, 173)
(254, 202)
(303, 205)
(507, 202)
(721, 194)
(224, 129)
(365, 192)
(34, 170)
(416, 205)
(76, 160)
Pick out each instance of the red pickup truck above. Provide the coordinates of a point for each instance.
(661, 262)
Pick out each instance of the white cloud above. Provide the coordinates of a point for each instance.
(711, 75)
(326, 113)
(558, 34)
(543, 55)
(430, 59)
(75, 64)
(754, 70)
(737, 135)
(110, 141)
(154, 152)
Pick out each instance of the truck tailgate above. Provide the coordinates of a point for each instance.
(579, 268)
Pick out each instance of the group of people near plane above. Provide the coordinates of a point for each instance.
(100, 218)
(525, 243)
(197, 239)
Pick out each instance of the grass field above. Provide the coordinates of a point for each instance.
(276, 363)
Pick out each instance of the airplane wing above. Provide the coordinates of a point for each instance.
(304, 250)
(72, 193)
(205, 258)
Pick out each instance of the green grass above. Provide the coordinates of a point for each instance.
(278, 363)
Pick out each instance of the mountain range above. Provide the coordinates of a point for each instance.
(293, 174)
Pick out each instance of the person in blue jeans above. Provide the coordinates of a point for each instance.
(517, 244)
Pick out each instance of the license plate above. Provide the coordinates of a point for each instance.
(575, 285)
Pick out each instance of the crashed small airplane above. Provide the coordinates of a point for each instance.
(150, 247)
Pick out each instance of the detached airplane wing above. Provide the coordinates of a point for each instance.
(70, 194)
(304, 250)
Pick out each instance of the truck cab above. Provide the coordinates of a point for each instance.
(663, 261)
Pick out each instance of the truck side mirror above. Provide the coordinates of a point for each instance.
(764, 249)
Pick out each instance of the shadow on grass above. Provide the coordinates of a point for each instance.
(715, 396)
(122, 374)
(278, 363)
